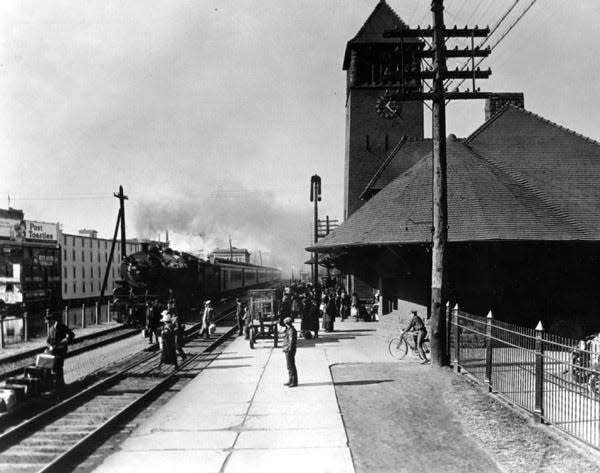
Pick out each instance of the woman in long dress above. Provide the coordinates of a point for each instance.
(168, 349)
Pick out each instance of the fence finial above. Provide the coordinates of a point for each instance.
(490, 316)
(539, 327)
(456, 306)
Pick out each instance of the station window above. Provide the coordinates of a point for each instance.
(74, 287)
(66, 288)
(83, 287)
(65, 272)
(65, 254)
(73, 255)
(82, 255)
(91, 257)
(99, 273)
(74, 275)
(92, 286)
(98, 257)
(83, 272)
(65, 239)
(106, 257)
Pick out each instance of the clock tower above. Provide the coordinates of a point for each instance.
(374, 64)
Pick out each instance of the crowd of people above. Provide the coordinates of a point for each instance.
(310, 304)
(164, 325)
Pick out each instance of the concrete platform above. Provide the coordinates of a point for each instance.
(236, 415)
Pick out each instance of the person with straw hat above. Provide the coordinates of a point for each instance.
(168, 351)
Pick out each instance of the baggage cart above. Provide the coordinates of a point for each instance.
(263, 317)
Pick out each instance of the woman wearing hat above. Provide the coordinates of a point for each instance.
(168, 352)
(207, 319)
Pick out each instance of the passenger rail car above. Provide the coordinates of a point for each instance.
(167, 274)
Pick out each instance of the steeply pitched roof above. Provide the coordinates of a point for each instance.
(382, 18)
(402, 157)
(547, 158)
(486, 201)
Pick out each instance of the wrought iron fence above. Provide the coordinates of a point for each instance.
(555, 378)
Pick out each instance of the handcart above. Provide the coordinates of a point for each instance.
(263, 318)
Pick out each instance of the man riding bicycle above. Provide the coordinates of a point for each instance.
(419, 333)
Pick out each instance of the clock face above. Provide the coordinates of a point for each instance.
(388, 108)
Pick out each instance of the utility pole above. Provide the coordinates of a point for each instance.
(315, 196)
(438, 95)
(122, 198)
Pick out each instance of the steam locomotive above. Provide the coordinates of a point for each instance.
(166, 274)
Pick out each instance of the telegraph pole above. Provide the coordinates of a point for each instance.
(438, 95)
(122, 198)
(440, 189)
(315, 196)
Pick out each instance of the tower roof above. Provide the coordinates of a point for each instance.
(382, 18)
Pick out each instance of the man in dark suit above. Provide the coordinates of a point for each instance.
(290, 341)
(59, 336)
(239, 314)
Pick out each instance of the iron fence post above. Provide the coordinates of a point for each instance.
(488, 350)
(82, 315)
(25, 327)
(108, 312)
(66, 315)
(538, 413)
(448, 324)
(96, 312)
(2, 331)
(456, 360)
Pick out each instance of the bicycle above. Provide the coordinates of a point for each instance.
(398, 346)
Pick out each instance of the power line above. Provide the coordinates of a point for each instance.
(506, 32)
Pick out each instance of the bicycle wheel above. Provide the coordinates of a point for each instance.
(426, 348)
(398, 348)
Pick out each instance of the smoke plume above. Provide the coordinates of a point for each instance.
(253, 219)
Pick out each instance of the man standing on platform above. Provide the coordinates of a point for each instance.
(239, 314)
(290, 341)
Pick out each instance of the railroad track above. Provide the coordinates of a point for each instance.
(62, 436)
(13, 365)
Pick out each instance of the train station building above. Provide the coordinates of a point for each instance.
(523, 203)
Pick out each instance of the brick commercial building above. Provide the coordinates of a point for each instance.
(84, 262)
(29, 266)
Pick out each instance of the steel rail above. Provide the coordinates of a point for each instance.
(45, 418)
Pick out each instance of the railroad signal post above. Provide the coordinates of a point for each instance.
(438, 95)
(315, 196)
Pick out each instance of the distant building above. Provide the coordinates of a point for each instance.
(84, 261)
(239, 255)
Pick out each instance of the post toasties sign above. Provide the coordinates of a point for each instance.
(40, 231)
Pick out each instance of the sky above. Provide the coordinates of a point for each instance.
(213, 115)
